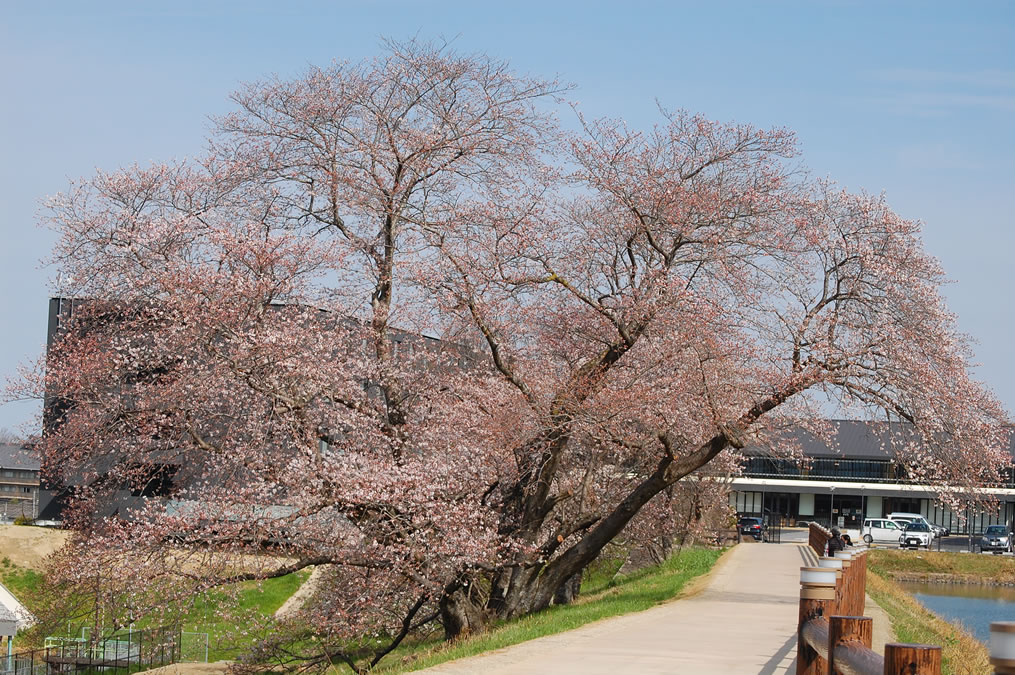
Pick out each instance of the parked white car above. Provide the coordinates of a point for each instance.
(881, 530)
(915, 535)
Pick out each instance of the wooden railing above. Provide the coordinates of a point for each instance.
(817, 537)
(834, 637)
(727, 537)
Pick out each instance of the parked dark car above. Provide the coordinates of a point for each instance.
(996, 539)
(752, 526)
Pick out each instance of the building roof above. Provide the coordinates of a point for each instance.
(852, 439)
(18, 457)
(858, 440)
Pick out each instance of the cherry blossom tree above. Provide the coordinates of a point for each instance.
(618, 310)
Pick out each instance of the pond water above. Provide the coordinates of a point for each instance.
(973, 606)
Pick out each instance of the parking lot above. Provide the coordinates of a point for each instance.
(952, 544)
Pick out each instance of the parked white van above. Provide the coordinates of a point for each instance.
(903, 519)
(881, 530)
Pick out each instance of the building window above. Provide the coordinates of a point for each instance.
(748, 502)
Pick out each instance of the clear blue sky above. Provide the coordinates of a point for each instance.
(913, 99)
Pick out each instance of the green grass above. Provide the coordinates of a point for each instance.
(21, 581)
(612, 596)
(602, 572)
(933, 564)
(604, 594)
(961, 653)
(250, 603)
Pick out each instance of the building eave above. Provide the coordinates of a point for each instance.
(878, 489)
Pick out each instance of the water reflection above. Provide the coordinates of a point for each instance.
(973, 606)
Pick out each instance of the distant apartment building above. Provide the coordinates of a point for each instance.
(19, 482)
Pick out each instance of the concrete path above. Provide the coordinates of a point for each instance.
(743, 621)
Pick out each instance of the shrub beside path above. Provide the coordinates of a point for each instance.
(743, 620)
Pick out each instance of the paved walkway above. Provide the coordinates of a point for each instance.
(743, 621)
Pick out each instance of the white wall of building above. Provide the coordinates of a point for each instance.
(24, 618)
(806, 504)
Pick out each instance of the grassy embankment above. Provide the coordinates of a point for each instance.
(252, 600)
(603, 595)
(21, 581)
(936, 566)
(914, 623)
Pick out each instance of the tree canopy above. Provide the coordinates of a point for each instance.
(610, 310)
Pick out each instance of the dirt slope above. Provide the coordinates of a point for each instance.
(27, 546)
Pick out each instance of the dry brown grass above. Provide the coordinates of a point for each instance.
(27, 546)
(941, 566)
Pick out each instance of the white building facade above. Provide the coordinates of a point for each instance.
(854, 477)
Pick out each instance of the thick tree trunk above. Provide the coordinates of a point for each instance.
(526, 587)
(517, 590)
(568, 591)
(460, 615)
(520, 590)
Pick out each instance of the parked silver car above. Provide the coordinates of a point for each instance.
(996, 539)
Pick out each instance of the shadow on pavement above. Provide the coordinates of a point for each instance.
(775, 664)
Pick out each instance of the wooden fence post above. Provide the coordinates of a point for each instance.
(842, 629)
(817, 537)
(861, 583)
(853, 594)
(902, 659)
(855, 603)
(1002, 641)
(844, 603)
(815, 601)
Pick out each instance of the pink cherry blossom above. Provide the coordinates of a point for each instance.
(619, 311)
